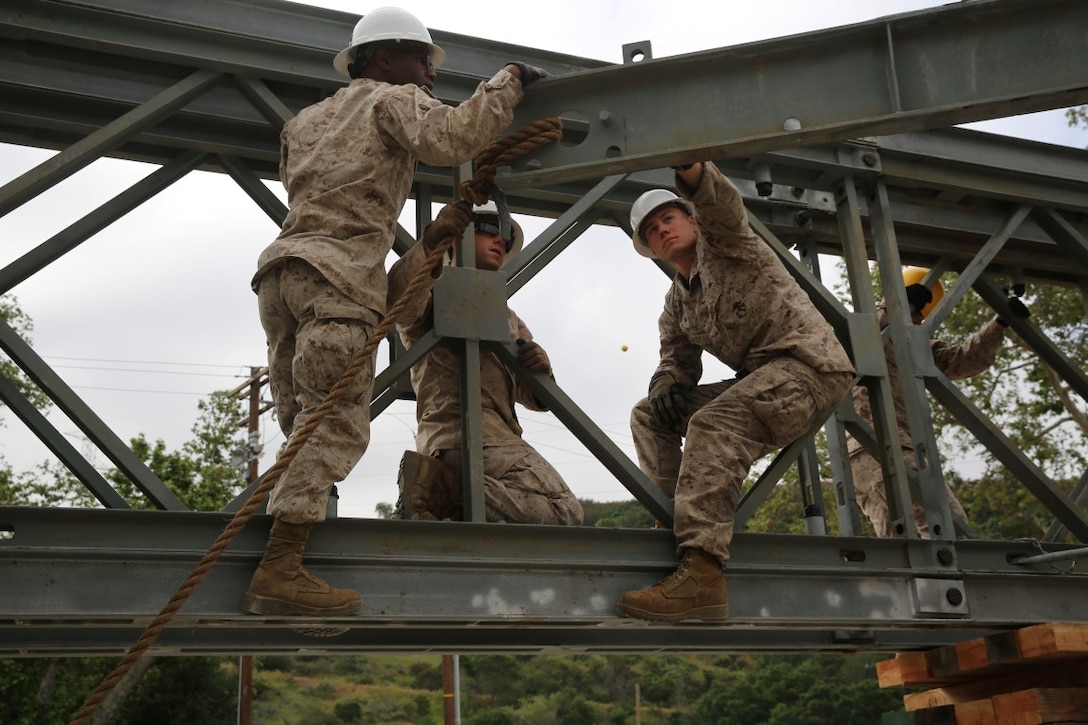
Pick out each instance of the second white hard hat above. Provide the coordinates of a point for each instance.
(645, 205)
(490, 209)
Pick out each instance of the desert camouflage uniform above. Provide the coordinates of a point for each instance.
(348, 163)
(742, 306)
(968, 358)
(520, 486)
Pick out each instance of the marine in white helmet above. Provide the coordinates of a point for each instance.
(348, 163)
(733, 298)
(520, 486)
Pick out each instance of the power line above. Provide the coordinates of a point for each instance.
(143, 362)
(154, 372)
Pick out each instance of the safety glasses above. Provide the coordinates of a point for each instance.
(424, 58)
(492, 229)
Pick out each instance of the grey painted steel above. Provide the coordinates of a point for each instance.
(59, 445)
(80, 154)
(242, 67)
(960, 62)
(1071, 373)
(914, 361)
(91, 425)
(593, 438)
(46, 107)
(1057, 532)
(1025, 471)
(1070, 555)
(75, 234)
(233, 637)
(257, 191)
(433, 584)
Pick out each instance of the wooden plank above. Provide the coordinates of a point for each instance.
(979, 712)
(962, 660)
(1059, 675)
(995, 655)
(1053, 640)
(1042, 705)
(888, 674)
(907, 667)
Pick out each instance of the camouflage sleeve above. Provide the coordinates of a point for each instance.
(718, 201)
(972, 356)
(401, 275)
(680, 357)
(444, 135)
(283, 154)
(523, 393)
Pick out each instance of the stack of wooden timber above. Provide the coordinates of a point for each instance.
(1032, 676)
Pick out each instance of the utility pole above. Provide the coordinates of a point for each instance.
(245, 663)
(449, 715)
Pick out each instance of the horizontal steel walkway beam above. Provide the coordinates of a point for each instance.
(77, 580)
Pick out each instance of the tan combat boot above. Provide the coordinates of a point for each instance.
(696, 590)
(280, 586)
(429, 489)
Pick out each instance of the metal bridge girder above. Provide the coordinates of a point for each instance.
(230, 72)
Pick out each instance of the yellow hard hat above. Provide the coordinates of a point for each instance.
(915, 275)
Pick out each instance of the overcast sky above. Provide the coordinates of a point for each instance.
(155, 312)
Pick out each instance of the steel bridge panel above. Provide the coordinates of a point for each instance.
(98, 571)
(88, 581)
(790, 92)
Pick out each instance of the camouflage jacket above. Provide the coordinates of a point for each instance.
(348, 163)
(968, 358)
(741, 304)
(436, 378)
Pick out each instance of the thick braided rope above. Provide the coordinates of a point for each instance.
(299, 439)
(477, 190)
(242, 516)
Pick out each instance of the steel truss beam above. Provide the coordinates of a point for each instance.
(486, 587)
(209, 89)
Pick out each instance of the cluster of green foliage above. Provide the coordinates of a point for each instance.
(1077, 116)
(575, 690)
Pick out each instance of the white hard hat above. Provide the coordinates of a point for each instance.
(387, 24)
(645, 205)
(490, 209)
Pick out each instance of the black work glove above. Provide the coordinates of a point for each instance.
(918, 296)
(532, 357)
(669, 399)
(529, 73)
(1017, 308)
(450, 222)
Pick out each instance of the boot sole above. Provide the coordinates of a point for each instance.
(712, 613)
(257, 604)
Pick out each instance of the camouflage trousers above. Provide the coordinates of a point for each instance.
(520, 487)
(731, 425)
(314, 334)
(872, 498)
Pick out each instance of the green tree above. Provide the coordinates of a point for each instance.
(1077, 116)
(164, 695)
(617, 514)
(46, 691)
(20, 322)
(800, 690)
(493, 680)
(1025, 399)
